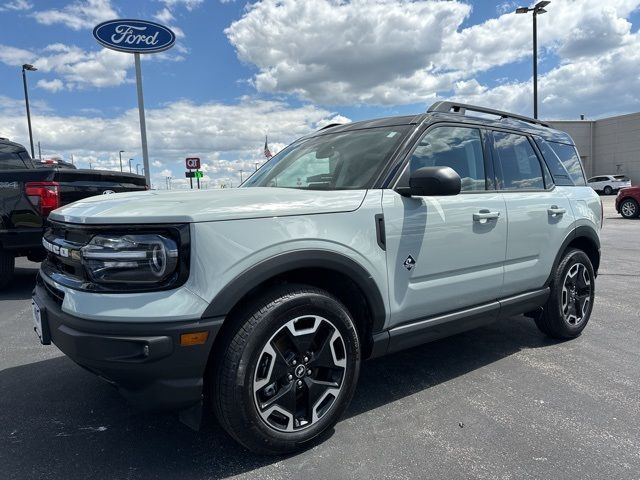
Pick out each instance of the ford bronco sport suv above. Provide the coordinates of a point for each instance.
(353, 242)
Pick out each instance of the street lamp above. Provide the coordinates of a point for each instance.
(241, 179)
(28, 68)
(538, 9)
(137, 166)
(120, 153)
(130, 160)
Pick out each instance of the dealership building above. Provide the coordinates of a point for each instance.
(607, 146)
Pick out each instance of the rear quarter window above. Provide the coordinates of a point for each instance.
(563, 162)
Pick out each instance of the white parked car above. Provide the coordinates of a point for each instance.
(608, 184)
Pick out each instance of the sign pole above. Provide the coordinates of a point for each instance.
(198, 182)
(143, 123)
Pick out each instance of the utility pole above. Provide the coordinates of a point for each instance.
(28, 68)
(538, 9)
(39, 152)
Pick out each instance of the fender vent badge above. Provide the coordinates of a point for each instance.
(409, 263)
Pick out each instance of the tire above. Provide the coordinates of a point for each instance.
(608, 190)
(629, 208)
(563, 318)
(265, 364)
(7, 267)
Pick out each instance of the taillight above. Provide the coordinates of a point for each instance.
(45, 196)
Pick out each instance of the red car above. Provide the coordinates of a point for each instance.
(628, 202)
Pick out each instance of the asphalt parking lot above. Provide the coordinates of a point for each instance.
(499, 402)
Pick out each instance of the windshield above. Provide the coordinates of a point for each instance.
(335, 161)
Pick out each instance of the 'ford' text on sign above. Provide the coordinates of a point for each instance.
(134, 36)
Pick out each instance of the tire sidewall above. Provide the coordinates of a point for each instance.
(569, 260)
(634, 203)
(299, 305)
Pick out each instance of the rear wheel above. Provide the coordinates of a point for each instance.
(7, 267)
(608, 190)
(568, 309)
(286, 370)
(629, 208)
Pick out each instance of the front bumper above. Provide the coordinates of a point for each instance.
(145, 361)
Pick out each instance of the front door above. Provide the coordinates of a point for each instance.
(445, 253)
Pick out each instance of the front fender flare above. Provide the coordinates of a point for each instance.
(235, 290)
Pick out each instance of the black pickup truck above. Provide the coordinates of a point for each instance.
(29, 191)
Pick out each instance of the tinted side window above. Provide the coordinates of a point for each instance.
(456, 147)
(10, 161)
(563, 161)
(518, 161)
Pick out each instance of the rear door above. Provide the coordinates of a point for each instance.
(445, 253)
(539, 215)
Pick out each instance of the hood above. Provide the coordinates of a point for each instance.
(206, 205)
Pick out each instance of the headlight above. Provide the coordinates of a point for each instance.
(140, 259)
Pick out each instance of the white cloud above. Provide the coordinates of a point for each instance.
(164, 15)
(51, 85)
(594, 85)
(227, 137)
(78, 68)
(79, 14)
(189, 4)
(398, 52)
(16, 5)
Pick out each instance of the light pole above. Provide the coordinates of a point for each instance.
(257, 163)
(28, 68)
(137, 166)
(120, 153)
(537, 9)
(130, 160)
(241, 175)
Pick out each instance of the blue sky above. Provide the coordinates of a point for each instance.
(242, 69)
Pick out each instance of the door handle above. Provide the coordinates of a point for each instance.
(484, 215)
(555, 211)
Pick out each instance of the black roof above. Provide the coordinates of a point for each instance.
(8, 146)
(463, 114)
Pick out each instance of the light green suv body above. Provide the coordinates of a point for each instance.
(379, 236)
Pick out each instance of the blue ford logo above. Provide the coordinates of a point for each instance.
(134, 36)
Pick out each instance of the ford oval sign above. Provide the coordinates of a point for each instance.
(134, 36)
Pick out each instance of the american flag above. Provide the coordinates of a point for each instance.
(267, 152)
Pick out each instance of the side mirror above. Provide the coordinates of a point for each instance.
(432, 181)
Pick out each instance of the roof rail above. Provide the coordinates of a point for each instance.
(461, 108)
(329, 126)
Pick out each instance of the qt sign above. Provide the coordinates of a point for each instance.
(134, 36)
(192, 163)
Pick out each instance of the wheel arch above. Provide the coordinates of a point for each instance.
(584, 238)
(338, 274)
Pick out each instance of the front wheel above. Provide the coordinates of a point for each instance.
(629, 208)
(286, 370)
(570, 302)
